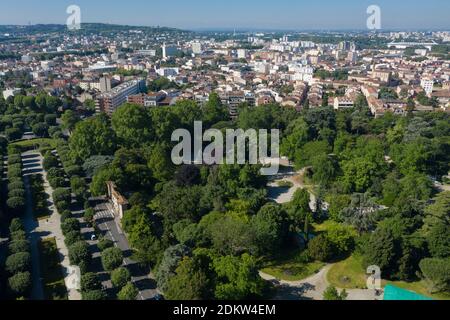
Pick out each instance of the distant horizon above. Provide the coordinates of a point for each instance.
(235, 14)
(230, 29)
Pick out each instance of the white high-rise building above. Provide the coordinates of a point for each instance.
(242, 54)
(427, 86)
(26, 58)
(197, 48)
(169, 51)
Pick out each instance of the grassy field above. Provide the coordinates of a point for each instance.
(51, 271)
(348, 274)
(292, 268)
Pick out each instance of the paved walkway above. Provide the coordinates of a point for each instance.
(51, 227)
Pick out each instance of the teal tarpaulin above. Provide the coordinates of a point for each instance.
(394, 293)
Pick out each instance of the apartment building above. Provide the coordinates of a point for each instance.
(109, 101)
(427, 86)
(153, 99)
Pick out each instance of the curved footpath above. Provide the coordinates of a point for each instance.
(313, 288)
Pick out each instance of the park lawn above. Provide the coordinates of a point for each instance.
(291, 268)
(51, 271)
(348, 274)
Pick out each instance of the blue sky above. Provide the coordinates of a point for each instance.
(240, 14)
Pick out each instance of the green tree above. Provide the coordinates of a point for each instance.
(299, 208)
(94, 295)
(239, 278)
(19, 246)
(16, 225)
(190, 282)
(132, 125)
(332, 294)
(438, 212)
(214, 110)
(321, 248)
(90, 282)
(439, 240)
(19, 262)
(79, 254)
(381, 251)
(20, 283)
(169, 263)
(160, 163)
(93, 136)
(128, 292)
(360, 213)
(271, 228)
(112, 258)
(120, 277)
(69, 120)
(436, 273)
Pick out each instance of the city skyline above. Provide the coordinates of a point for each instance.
(263, 15)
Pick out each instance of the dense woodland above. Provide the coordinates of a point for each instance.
(207, 230)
